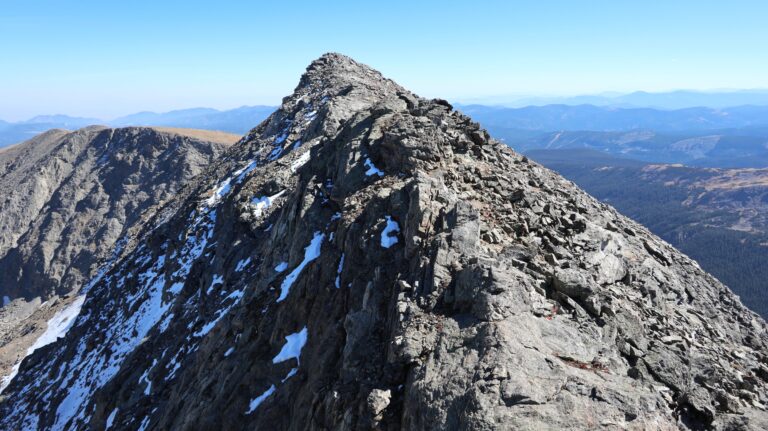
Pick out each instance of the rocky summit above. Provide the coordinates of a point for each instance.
(369, 259)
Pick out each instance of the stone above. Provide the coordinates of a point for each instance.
(378, 400)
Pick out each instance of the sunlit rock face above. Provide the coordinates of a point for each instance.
(368, 259)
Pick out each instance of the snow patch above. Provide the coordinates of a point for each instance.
(57, 327)
(236, 296)
(283, 135)
(226, 185)
(282, 266)
(290, 374)
(387, 237)
(59, 324)
(301, 161)
(242, 264)
(217, 279)
(145, 379)
(263, 202)
(111, 419)
(166, 322)
(292, 348)
(229, 351)
(241, 173)
(219, 193)
(372, 169)
(6, 380)
(275, 153)
(254, 404)
(175, 288)
(144, 424)
(311, 252)
(338, 271)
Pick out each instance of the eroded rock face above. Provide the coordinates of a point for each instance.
(67, 197)
(367, 259)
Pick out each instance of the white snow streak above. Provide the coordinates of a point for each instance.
(217, 279)
(59, 324)
(226, 185)
(310, 253)
(258, 400)
(241, 265)
(338, 271)
(301, 161)
(111, 419)
(236, 296)
(263, 202)
(290, 374)
(57, 328)
(219, 193)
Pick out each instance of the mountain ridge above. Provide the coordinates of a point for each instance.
(368, 259)
(676, 99)
(69, 197)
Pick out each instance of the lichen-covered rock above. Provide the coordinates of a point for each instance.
(368, 259)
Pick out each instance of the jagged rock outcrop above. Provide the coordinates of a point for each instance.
(67, 199)
(368, 259)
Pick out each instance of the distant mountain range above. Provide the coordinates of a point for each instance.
(728, 137)
(238, 121)
(725, 149)
(731, 137)
(665, 100)
(612, 119)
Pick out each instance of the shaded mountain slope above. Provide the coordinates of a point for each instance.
(70, 196)
(67, 198)
(367, 259)
(613, 119)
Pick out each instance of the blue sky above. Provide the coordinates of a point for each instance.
(105, 59)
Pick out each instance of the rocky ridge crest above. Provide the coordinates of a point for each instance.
(368, 259)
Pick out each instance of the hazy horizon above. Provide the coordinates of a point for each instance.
(501, 100)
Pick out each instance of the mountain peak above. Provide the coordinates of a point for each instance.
(369, 259)
(337, 71)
